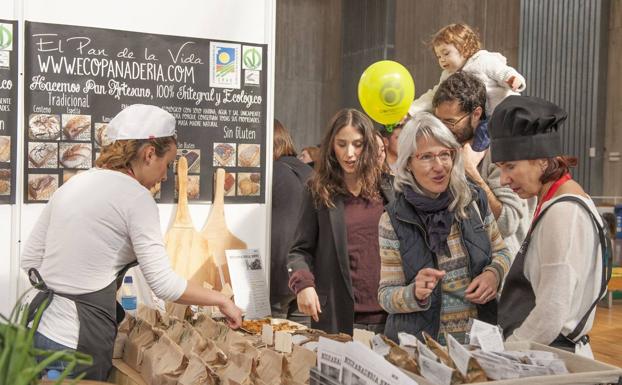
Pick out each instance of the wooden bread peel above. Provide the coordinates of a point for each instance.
(218, 236)
(188, 250)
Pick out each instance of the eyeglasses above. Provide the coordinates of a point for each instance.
(445, 156)
(451, 125)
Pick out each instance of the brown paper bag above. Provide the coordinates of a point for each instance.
(147, 314)
(179, 311)
(140, 338)
(210, 328)
(124, 330)
(400, 357)
(191, 340)
(298, 365)
(269, 367)
(233, 340)
(176, 329)
(474, 373)
(197, 373)
(237, 371)
(443, 355)
(163, 362)
(213, 355)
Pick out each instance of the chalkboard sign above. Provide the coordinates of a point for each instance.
(8, 110)
(78, 78)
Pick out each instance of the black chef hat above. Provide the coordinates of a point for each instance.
(525, 127)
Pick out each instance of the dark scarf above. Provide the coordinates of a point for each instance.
(481, 137)
(436, 216)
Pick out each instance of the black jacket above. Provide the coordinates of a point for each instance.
(320, 246)
(288, 180)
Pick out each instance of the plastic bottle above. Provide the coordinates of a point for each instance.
(51, 375)
(128, 295)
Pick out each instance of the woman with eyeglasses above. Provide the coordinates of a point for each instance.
(442, 256)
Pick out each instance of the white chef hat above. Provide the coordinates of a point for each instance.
(141, 121)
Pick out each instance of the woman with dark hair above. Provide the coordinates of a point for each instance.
(289, 176)
(334, 262)
(96, 226)
(561, 272)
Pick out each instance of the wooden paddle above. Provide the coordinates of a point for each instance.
(187, 249)
(215, 230)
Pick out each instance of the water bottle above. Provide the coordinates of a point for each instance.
(128, 295)
(51, 375)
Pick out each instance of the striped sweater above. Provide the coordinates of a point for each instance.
(396, 295)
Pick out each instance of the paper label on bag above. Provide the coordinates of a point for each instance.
(458, 354)
(363, 336)
(330, 357)
(434, 371)
(425, 351)
(379, 346)
(491, 340)
(407, 339)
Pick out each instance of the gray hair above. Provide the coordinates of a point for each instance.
(428, 126)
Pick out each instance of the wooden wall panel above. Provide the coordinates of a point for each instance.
(367, 38)
(308, 66)
(416, 21)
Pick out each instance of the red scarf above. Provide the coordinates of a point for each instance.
(549, 194)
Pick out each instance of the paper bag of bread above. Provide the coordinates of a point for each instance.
(197, 373)
(298, 365)
(163, 362)
(191, 340)
(142, 336)
(269, 367)
(467, 365)
(400, 357)
(443, 355)
(122, 333)
(209, 328)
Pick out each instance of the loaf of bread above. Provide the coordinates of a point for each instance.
(77, 156)
(5, 148)
(41, 187)
(43, 126)
(76, 125)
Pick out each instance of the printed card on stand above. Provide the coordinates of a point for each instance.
(248, 278)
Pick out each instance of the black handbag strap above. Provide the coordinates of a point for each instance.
(605, 247)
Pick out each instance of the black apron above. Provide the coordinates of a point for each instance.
(99, 314)
(518, 299)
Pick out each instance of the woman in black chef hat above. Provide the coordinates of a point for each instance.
(561, 270)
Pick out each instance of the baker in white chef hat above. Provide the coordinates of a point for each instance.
(117, 227)
(141, 142)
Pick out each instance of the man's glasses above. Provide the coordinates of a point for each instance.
(452, 124)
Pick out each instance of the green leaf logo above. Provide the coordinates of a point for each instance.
(6, 36)
(252, 58)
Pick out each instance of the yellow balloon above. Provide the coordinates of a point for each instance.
(386, 91)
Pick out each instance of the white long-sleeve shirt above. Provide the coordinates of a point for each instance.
(564, 265)
(490, 68)
(95, 224)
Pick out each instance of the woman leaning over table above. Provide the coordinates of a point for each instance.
(96, 226)
(557, 277)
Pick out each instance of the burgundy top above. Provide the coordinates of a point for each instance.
(361, 219)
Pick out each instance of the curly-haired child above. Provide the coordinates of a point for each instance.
(458, 48)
